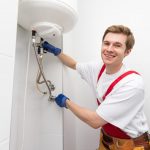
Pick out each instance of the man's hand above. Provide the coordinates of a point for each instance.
(50, 48)
(61, 100)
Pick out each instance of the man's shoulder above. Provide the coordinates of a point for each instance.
(135, 80)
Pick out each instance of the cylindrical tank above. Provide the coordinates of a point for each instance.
(47, 16)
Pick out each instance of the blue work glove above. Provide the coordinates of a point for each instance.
(50, 48)
(61, 100)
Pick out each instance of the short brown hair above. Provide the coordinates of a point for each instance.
(124, 30)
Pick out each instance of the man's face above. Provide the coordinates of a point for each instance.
(113, 48)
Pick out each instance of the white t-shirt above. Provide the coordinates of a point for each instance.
(123, 106)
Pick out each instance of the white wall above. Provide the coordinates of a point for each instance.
(8, 23)
(84, 42)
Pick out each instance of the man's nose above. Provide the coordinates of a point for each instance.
(110, 47)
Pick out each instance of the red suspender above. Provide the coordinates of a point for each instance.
(116, 81)
(109, 128)
(101, 71)
(99, 75)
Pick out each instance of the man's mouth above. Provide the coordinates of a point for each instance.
(109, 55)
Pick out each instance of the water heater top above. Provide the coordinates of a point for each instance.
(46, 14)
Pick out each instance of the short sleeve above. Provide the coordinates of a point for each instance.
(123, 104)
(88, 71)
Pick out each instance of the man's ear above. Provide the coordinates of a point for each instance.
(127, 52)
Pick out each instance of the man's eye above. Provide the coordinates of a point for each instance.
(117, 45)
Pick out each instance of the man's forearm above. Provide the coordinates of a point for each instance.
(86, 115)
(67, 60)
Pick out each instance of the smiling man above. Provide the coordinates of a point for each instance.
(113, 51)
(119, 93)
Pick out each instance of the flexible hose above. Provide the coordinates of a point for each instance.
(39, 76)
(42, 74)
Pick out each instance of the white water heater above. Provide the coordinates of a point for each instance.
(48, 17)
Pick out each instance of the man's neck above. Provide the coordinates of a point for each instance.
(110, 69)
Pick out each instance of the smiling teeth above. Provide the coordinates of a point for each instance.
(109, 56)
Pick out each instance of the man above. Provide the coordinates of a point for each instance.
(119, 91)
